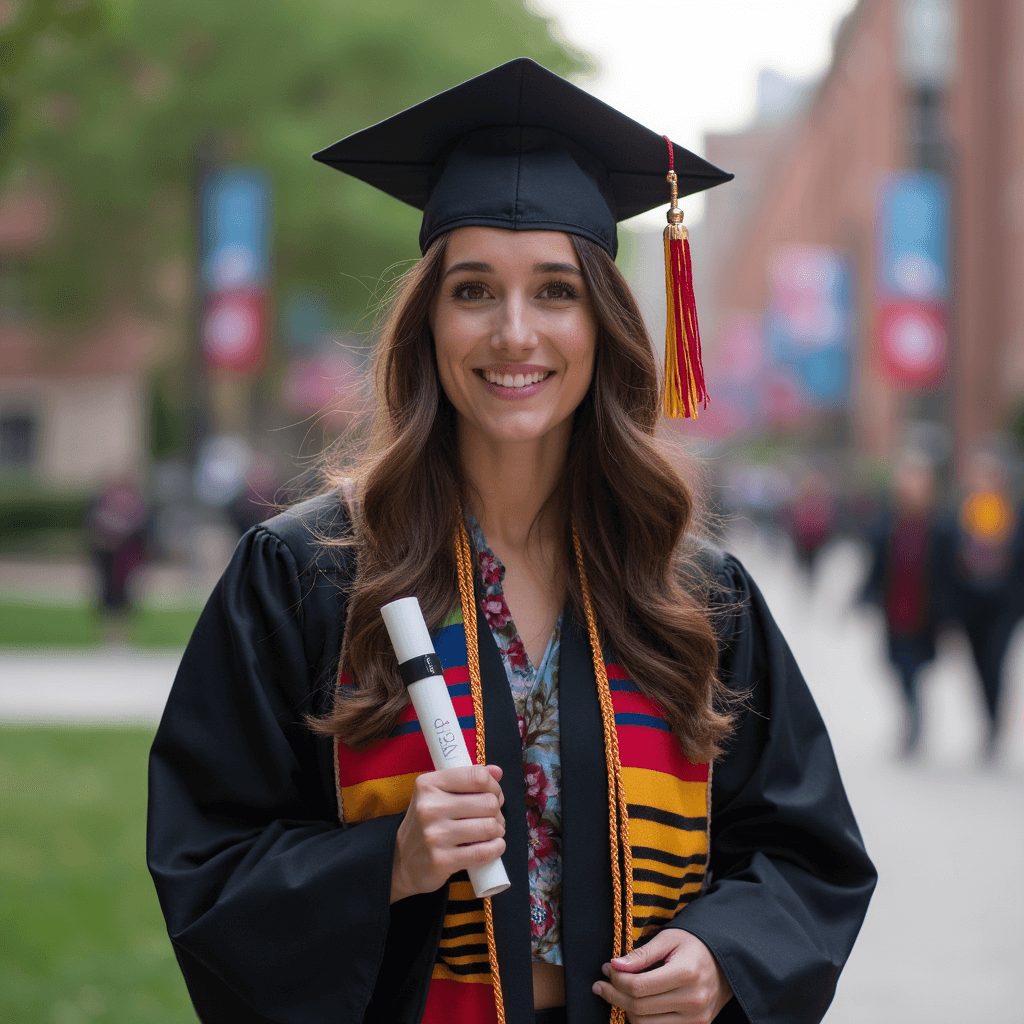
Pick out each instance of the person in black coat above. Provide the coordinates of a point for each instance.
(908, 581)
(987, 594)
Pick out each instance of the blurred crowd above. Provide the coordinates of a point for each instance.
(188, 518)
(941, 557)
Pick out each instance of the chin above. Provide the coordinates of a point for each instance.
(516, 432)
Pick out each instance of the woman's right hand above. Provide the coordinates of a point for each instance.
(454, 822)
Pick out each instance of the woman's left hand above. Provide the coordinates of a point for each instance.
(688, 988)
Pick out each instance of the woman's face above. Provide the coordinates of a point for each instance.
(514, 332)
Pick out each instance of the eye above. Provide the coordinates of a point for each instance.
(559, 290)
(470, 291)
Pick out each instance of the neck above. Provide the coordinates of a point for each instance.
(509, 483)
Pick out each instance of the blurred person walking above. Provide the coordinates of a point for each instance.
(908, 581)
(117, 530)
(810, 519)
(988, 576)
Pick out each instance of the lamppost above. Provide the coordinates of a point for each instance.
(928, 51)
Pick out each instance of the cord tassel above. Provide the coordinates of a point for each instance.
(618, 815)
(684, 368)
(467, 599)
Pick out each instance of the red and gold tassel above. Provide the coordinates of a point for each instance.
(684, 370)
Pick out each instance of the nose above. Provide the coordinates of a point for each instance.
(514, 330)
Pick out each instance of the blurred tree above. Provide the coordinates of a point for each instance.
(23, 24)
(115, 122)
(168, 430)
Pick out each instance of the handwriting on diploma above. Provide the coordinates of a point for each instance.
(446, 738)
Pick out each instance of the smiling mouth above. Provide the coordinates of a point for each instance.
(517, 380)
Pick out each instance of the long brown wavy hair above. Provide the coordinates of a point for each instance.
(632, 507)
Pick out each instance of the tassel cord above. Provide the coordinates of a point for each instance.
(685, 387)
(468, 600)
(618, 815)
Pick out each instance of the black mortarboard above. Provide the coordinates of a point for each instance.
(518, 147)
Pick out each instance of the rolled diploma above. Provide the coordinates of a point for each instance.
(411, 639)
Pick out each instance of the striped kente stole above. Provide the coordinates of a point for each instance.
(666, 796)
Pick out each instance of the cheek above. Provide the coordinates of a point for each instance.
(450, 349)
(582, 350)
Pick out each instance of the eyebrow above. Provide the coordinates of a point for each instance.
(479, 267)
(556, 268)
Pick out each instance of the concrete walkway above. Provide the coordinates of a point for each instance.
(73, 581)
(106, 686)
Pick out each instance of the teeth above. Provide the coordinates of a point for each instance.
(519, 380)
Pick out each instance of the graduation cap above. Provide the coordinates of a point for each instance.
(522, 149)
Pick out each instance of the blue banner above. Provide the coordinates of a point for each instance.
(913, 237)
(236, 230)
(808, 324)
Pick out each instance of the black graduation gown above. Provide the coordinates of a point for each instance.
(278, 913)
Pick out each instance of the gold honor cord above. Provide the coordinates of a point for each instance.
(468, 600)
(618, 817)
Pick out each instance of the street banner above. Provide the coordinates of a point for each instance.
(235, 260)
(913, 237)
(912, 279)
(808, 326)
(736, 365)
(912, 343)
(234, 330)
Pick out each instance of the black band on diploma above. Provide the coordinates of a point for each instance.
(415, 669)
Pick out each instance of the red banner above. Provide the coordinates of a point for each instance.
(234, 330)
(912, 342)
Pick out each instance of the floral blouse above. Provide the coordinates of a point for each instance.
(535, 693)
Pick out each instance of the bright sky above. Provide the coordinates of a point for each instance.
(686, 67)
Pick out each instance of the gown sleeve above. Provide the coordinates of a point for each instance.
(790, 880)
(276, 911)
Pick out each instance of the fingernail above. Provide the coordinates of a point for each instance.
(606, 970)
(597, 988)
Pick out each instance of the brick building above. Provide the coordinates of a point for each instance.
(72, 403)
(815, 178)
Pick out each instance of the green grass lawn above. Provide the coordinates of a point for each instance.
(28, 625)
(81, 936)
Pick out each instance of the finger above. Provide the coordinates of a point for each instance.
(652, 952)
(671, 987)
(475, 854)
(496, 773)
(610, 994)
(666, 1007)
(670, 976)
(474, 778)
(651, 984)
(469, 805)
(463, 831)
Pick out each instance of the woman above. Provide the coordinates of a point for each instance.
(309, 862)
